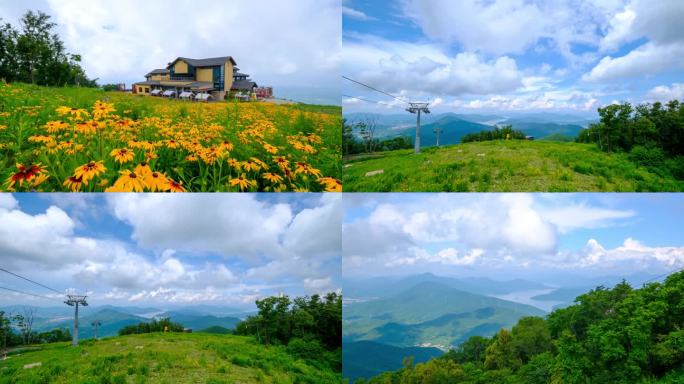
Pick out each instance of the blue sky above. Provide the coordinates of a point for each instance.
(513, 235)
(222, 249)
(121, 41)
(512, 56)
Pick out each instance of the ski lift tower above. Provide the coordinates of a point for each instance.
(418, 108)
(74, 301)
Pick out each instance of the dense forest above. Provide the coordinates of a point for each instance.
(651, 134)
(310, 327)
(35, 54)
(505, 132)
(618, 335)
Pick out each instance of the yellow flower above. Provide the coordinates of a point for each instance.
(242, 182)
(331, 184)
(122, 155)
(282, 162)
(128, 182)
(88, 171)
(235, 164)
(143, 170)
(156, 181)
(74, 183)
(272, 177)
(270, 148)
(250, 165)
(175, 186)
(101, 110)
(307, 169)
(3, 127)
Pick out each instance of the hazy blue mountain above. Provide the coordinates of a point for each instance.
(388, 286)
(365, 359)
(430, 312)
(201, 321)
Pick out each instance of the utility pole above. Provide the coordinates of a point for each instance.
(96, 324)
(75, 300)
(438, 131)
(418, 108)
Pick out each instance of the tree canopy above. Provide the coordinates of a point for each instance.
(34, 53)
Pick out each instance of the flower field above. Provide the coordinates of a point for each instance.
(78, 139)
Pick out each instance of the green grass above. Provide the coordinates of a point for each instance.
(504, 166)
(164, 358)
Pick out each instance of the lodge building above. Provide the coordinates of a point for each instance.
(213, 78)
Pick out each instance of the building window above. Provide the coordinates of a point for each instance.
(140, 89)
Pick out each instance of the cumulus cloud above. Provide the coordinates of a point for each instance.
(663, 93)
(630, 255)
(464, 231)
(648, 59)
(401, 66)
(233, 249)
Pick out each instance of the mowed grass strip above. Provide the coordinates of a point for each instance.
(163, 358)
(504, 166)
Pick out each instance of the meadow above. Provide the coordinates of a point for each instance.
(503, 166)
(84, 139)
(164, 358)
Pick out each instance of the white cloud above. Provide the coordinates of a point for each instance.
(400, 66)
(664, 93)
(7, 201)
(468, 231)
(648, 59)
(356, 14)
(572, 100)
(273, 41)
(630, 255)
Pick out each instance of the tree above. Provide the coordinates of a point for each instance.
(367, 132)
(34, 54)
(531, 337)
(501, 352)
(5, 331)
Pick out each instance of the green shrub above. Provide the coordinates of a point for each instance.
(647, 156)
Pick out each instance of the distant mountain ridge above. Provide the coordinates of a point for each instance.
(454, 126)
(430, 312)
(365, 359)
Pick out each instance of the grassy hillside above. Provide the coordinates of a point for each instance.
(430, 313)
(164, 358)
(503, 166)
(367, 358)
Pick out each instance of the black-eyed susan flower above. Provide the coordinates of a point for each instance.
(156, 182)
(175, 186)
(129, 182)
(331, 184)
(143, 169)
(273, 177)
(73, 183)
(88, 171)
(306, 169)
(122, 155)
(24, 173)
(242, 182)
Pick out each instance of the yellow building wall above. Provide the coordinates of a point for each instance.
(160, 77)
(228, 76)
(180, 67)
(205, 74)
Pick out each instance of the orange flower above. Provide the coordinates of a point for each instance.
(307, 169)
(272, 177)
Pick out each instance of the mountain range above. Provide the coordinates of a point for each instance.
(455, 126)
(113, 318)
